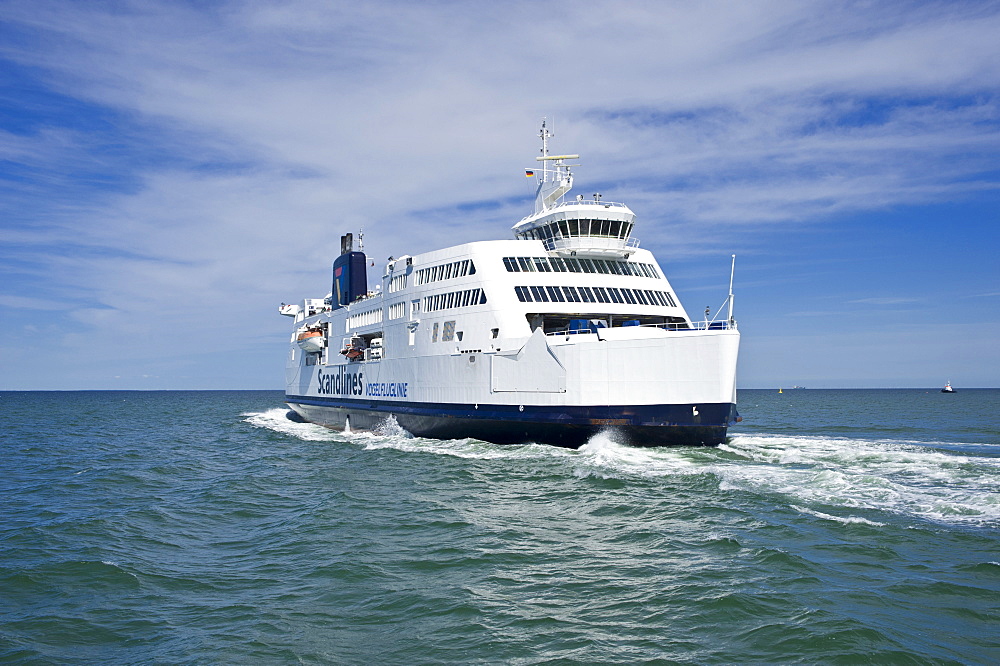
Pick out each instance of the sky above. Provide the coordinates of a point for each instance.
(170, 172)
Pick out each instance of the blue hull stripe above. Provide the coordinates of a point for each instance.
(653, 425)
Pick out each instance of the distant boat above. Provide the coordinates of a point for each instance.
(947, 388)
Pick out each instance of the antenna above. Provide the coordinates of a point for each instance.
(732, 272)
(545, 134)
(361, 239)
(557, 179)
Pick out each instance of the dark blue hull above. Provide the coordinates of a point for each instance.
(569, 426)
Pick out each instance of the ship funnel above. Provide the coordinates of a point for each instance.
(350, 274)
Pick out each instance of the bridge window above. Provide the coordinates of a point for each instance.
(567, 294)
(577, 265)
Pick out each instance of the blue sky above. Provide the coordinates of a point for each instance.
(170, 172)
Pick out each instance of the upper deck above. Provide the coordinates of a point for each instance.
(577, 227)
(573, 267)
(582, 227)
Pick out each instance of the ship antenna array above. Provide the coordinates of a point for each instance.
(546, 135)
(732, 272)
(558, 165)
(729, 299)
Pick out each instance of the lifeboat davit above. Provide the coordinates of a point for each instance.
(310, 340)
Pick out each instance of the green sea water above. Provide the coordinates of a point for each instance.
(206, 527)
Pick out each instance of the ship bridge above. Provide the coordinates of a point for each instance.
(576, 227)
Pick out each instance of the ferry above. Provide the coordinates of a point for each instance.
(567, 330)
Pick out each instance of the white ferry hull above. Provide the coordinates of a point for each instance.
(664, 388)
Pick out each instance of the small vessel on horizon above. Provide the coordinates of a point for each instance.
(565, 331)
(947, 388)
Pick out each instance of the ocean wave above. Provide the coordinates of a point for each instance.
(602, 455)
(462, 448)
(390, 435)
(847, 520)
(866, 474)
(854, 475)
(278, 420)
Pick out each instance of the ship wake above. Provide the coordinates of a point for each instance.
(849, 481)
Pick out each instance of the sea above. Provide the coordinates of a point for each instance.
(207, 527)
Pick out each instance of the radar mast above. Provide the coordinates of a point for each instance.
(557, 179)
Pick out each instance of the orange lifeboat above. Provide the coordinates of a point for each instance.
(354, 349)
(310, 340)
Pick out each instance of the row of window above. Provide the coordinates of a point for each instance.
(364, 319)
(397, 283)
(446, 271)
(556, 294)
(454, 299)
(574, 228)
(397, 310)
(575, 265)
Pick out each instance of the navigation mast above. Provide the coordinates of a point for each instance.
(557, 179)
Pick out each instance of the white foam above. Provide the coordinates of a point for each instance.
(847, 520)
(389, 434)
(800, 471)
(277, 420)
(465, 448)
(389, 427)
(602, 455)
(866, 474)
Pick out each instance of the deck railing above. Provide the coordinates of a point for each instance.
(589, 242)
(578, 202)
(691, 326)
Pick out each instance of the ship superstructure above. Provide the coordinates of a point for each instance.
(567, 330)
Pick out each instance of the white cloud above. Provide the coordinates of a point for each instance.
(258, 133)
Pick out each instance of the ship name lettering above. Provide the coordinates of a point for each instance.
(386, 389)
(340, 382)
